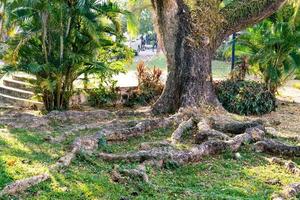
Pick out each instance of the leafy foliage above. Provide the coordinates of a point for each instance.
(103, 96)
(245, 97)
(273, 47)
(59, 41)
(149, 86)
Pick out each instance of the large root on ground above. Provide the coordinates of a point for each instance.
(228, 125)
(290, 166)
(218, 142)
(22, 185)
(277, 148)
(289, 192)
(90, 143)
(193, 154)
(118, 175)
(183, 126)
(142, 127)
(205, 132)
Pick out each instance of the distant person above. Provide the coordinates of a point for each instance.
(142, 43)
(155, 42)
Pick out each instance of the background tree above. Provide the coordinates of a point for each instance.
(273, 46)
(191, 31)
(61, 40)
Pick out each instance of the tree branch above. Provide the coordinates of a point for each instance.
(240, 14)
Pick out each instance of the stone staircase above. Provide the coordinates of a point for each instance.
(16, 90)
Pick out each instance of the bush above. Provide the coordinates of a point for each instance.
(245, 97)
(103, 96)
(149, 88)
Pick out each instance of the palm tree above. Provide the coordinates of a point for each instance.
(273, 47)
(62, 39)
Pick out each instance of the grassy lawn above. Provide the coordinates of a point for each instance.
(24, 153)
(220, 69)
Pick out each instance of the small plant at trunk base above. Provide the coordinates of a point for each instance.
(149, 86)
(241, 70)
(103, 95)
(245, 97)
(61, 40)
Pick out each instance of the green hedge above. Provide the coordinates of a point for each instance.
(102, 97)
(245, 97)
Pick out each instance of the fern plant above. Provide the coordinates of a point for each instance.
(60, 40)
(273, 47)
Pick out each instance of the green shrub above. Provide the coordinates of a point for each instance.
(149, 88)
(103, 96)
(245, 97)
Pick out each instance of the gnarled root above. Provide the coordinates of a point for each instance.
(150, 145)
(183, 126)
(289, 191)
(140, 173)
(277, 148)
(142, 127)
(207, 133)
(24, 184)
(90, 143)
(227, 125)
(289, 165)
(193, 154)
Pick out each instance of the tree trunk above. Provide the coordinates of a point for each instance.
(189, 56)
(56, 100)
(190, 32)
(190, 83)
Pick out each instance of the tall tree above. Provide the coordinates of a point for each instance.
(60, 40)
(191, 31)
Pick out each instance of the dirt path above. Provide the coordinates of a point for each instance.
(286, 119)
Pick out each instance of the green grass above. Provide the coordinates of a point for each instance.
(220, 69)
(24, 153)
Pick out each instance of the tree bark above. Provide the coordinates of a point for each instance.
(190, 32)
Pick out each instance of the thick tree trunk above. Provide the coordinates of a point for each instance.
(189, 81)
(190, 84)
(190, 32)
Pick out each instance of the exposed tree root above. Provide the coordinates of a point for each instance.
(24, 184)
(139, 172)
(207, 133)
(194, 154)
(289, 165)
(226, 125)
(151, 153)
(150, 145)
(142, 127)
(210, 134)
(139, 129)
(90, 143)
(277, 148)
(289, 192)
(113, 124)
(118, 175)
(183, 126)
(86, 144)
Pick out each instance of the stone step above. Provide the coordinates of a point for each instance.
(19, 102)
(18, 85)
(16, 92)
(23, 78)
